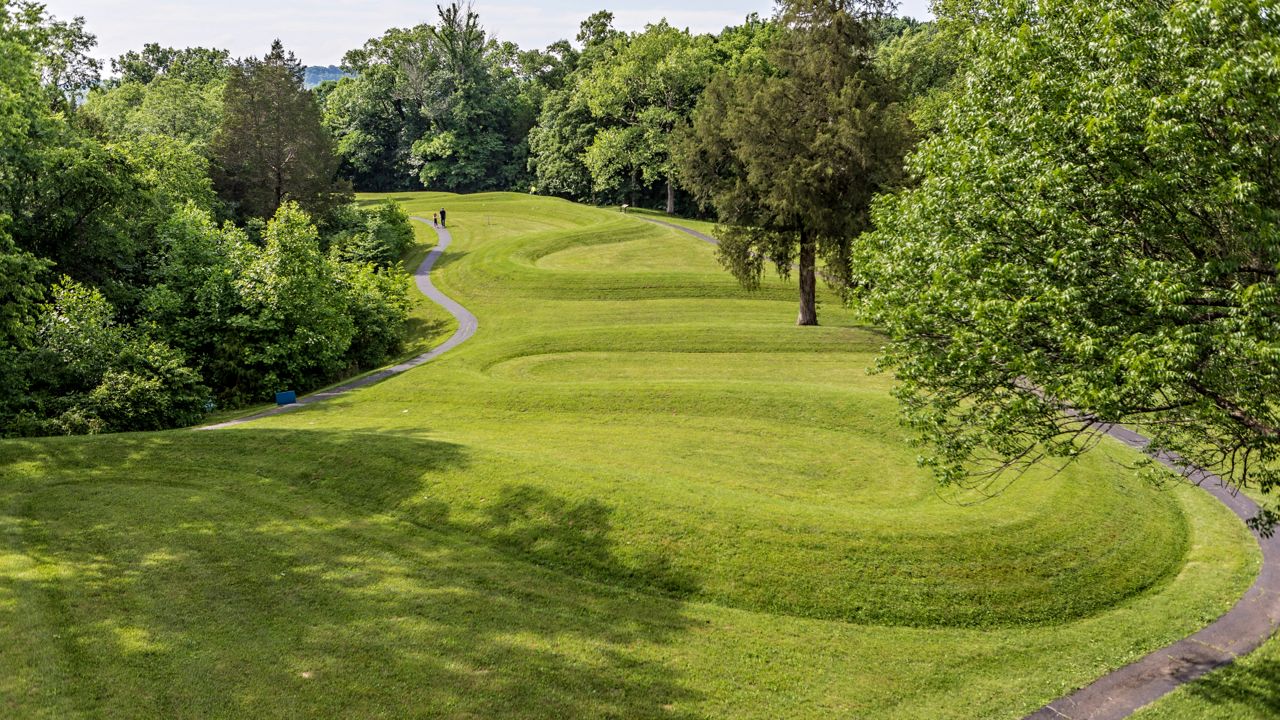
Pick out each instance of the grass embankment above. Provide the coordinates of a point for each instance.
(637, 492)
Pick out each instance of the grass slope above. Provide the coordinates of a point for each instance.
(637, 492)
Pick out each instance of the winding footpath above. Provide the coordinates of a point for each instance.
(467, 325)
(1246, 626)
(1118, 694)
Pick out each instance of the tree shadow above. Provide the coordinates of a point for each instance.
(1250, 687)
(555, 532)
(415, 328)
(268, 573)
(447, 258)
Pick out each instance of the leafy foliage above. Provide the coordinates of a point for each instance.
(197, 65)
(379, 235)
(922, 61)
(283, 315)
(169, 106)
(93, 375)
(443, 106)
(607, 134)
(154, 309)
(647, 87)
(60, 50)
(1095, 231)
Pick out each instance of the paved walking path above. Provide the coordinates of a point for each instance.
(1247, 625)
(1250, 623)
(701, 236)
(467, 325)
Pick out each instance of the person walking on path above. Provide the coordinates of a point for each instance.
(442, 224)
(435, 219)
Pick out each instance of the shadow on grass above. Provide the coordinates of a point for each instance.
(268, 573)
(557, 533)
(448, 258)
(416, 329)
(1247, 689)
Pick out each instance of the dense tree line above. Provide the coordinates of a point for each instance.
(151, 268)
(438, 106)
(444, 106)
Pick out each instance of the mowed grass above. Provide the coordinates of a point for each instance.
(638, 491)
(1247, 689)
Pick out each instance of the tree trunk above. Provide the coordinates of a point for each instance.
(808, 280)
(671, 197)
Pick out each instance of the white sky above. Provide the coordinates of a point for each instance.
(320, 31)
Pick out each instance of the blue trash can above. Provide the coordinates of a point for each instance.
(287, 397)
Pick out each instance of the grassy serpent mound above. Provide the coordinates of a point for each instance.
(637, 492)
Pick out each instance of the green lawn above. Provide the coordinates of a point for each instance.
(639, 491)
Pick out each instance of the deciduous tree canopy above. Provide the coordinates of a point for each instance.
(1095, 229)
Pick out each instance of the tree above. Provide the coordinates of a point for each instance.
(377, 301)
(20, 295)
(597, 31)
(467, 146)
(442, 105)
(922, 60)
(61, 51)
(271, 146)
(790, 156)
(198, 66)
(565, 128)
(1093, 237)
(377, 235)
(168, 106)
(369, 125)
(641, 94)
(194, 302)
(558, 144)
(296, 327)
(95, 375)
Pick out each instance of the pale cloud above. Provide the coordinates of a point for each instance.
(320, 32)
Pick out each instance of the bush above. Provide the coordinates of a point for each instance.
(377, 302)
(97, 376)
(378, 235)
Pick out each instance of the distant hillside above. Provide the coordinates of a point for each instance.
(317, 74)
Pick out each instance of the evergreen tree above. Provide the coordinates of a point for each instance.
(271, 146)
(791, 155)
